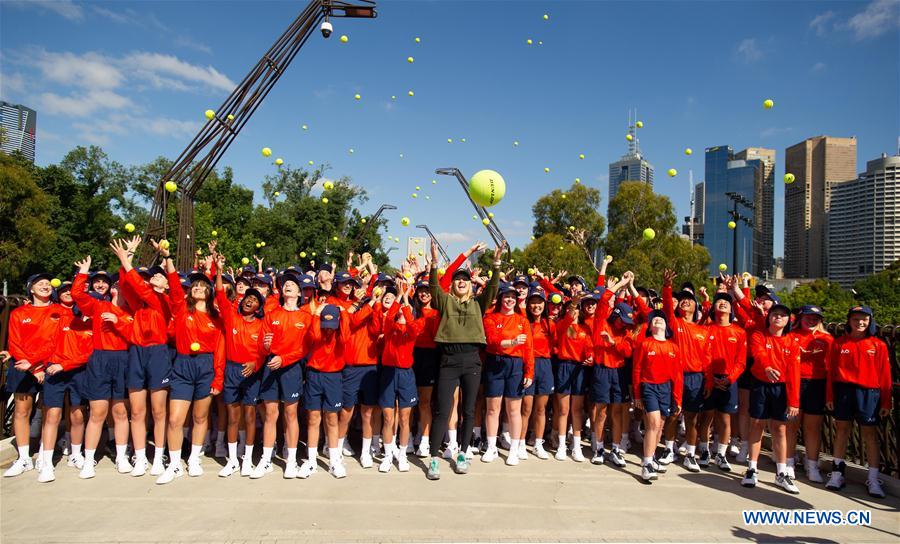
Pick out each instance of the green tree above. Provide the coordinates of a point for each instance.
(579, 207)
(881, 291)
(553, 252)
(831, 297)
(25, 233)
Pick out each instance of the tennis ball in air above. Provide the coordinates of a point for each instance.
(723, 267)
(487, 187)
(639, 124)
(171, 186)
(556, 298)
(245, 261)
(769, 104)
(629, 137)
(302, 254)
(405, 221)
(357, 96)
(485, 221)
(164, 244)
(732, 225)
(344, 39)
(266, 152)
(649, 234)
(688, 151)
(789, 178)
(210, 114)
(581, 156)
(324, 200)
(54, 283)
(279, 161)
(672, 172)
(129, 227)
(215, 233)
(328, 185)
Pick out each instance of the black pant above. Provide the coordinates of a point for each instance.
(460, 368)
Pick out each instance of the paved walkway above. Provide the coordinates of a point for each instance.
(535, 501)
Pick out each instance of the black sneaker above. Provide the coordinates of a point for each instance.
(703, 460)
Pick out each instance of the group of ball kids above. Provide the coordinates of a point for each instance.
(448, 363)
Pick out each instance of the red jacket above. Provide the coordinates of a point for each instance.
(151, 310)
(499, 327)
(75, 341)
(243, 339)
(197, 327)
(815, 349)
(692, 338)
(573, 340)
(862, 362)
(326, 350)
(290, 330)
(611, 354)
(543, 337)
(400, 338)
(781, 353)
(33, 332)
(107, 336)
(658, 361)
(366, 326)
(728, 352)
(429, 329)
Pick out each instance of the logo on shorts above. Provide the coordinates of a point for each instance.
(295, 395)
(166, 380)
(338, 405)
(414, 399)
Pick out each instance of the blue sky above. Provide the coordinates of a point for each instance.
(136, 77)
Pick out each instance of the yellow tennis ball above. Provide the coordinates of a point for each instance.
(530, 271)
(230, 117)
(54, 283)
(279, 161)
(418, 39)
(442, 271)
(789, 178)
(210, 114)
(410, 60)
(723, 267)
(491, 215)
(449, 140)
(572, 228)
(516, 143)
(311, 163)
(257, 245)
(546, 17)
(487, 187)
(304, 127)
(639, 124)
(351, 150)
(363, 221)
(245, 261)
(129, 227)
(404, 221)
(546, 170)
(769, 104)
(581, 156)
(171, 186)
(357, 96)
(556, 298)
(415, 195)
(672, 172)
(262, 244)
(302, 254)
(276, 194)
(324, 200)
(649, 233)
(629, 137)
(335, 238)
(528, 41)
(563, 196)
(195, 346)
(313, 253)
(215, 233)
(164, 244)
(418, 188)
(377, 291)
(266, 152)
(688, 151)
(344, 39)
(463, 140)
(410, 93)
(732, 225)
(577, 180)
(328, 185)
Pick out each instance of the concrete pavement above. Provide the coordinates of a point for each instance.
(535, 501)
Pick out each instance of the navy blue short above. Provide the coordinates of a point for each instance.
(148, 367)
(503, 377)
(397, 385)
(360, 385)
(20, 382)
(191, 377)
(812, 396)
(607, 386)
(322, 390)
(284, 384)
(657, 397)
(723, 401)
(543, 378)
(72, 381)
(855, 403)
(107, 375)
(746, 379)
(768, 400)
(426, 362)
(239, 388)
(692, 392)
(568, 377)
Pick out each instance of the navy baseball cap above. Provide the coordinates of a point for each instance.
(345, 277)
(537, 291)
(811, 309)
(504, 288)
(578, 279)
(462, 272)
(197, 276)
(101, 274)
(422, 285)
(228, 279)
(383, 278)
(288, 276)
(865, 310)
(262, 278)
(307, 282)
(248, 271)
(331, 317)
(624, 312)
(521, 278)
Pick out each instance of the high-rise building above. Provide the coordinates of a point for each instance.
(693, 224)
(632, 166)
(764, 213)
(818, 164)
(725, 174)
(864, 222)
(18, 129)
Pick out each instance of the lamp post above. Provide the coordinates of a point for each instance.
(737, 217)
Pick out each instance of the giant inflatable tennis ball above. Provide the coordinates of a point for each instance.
(210, 114)
(195, 346)
(405, 221)
(768, 103)
(344, 39)
(723, 267)
(789, 178)
(672, 172)
(629, 137)
(688, 151)
(129, 227)
(639, 124)
(245, 261)
(649, 233)
(279, 161)
(487, 187)
(54, 283)
(732, 225)
(556, 298)
(266, 151)
(171, 186)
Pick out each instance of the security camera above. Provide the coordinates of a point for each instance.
(326, 29)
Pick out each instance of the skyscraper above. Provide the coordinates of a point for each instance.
(724, 175)
(632, 166)
(764, 213)
(864, 222)
(18, 129)
(693, 224)
(818, 164)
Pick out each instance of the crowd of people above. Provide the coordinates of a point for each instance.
(450, 362)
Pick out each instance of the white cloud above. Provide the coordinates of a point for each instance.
(63, 8)
(122, 17)
(879, 17)
(11, 83)
(452, 237)
(749, 51)
(81, 104)
(775, 131)
(91, 70)
(185, 41)
(170, 127)
(820, 22)
(818, 67)
(155, 65)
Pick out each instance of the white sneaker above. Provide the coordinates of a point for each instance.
(785, 481)
(48, 475)
(403, 464)
(140, 467)
(194, 468)
(625, 444)
(813, 474)
(366, 460)
(743, 453)
(123, 466)
(489, 455)
(667, 457)
(87, 471)
(307, 469)
(386, 464)
(174, 470)
(423, 451)
(577, 454)
(617, 458)
(523, 451)
(598, 457)
(22, 465)
(875, 490)
(734, 448)
(76, 461)
(790, 472)
(503, 441)
(261, 470)
(648, 472)
(230, 468)
(450, 451)
(470, 453)
(540, 452)
(291, 470)
(348, 449)
(511, 460)
(690, 463)
(750, 478)
(158, 467)
(246, 467)
(338, 470)
(561, 453)
(221, 450)
(836, 481)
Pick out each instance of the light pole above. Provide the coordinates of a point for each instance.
(738, 218)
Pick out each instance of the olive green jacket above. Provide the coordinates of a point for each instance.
(461, 322)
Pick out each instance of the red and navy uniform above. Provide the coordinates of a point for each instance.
(322, 390)
(859, 380)
(573, 349)
(815, 350)
(243, 344)
(543, 340)
(507, 365)
(611, 376)
(693, 344)
(728, 357)
(657, 375)
(74, 345)
(397, 382)
(33, 332)
(289, 329)
(770, 399)
(149, 362)
(359, 380)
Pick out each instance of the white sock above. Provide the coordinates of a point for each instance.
(267, 455)
(492, 442)
(341, 443)
(89, 455)
(334, 456)
(174, 458)
(751, 464)
(648, 460)
(48, 460)
(232, 451)
(402, 450)
(121, 451)
(248, 453)
(616, 446)
(538, 442)
(873, 474)
(691, 450)
(388, 449)
(424, 442)
(311, 455)
(292, 456)
(74, 450)
(196, 450)
(514, 446)
(721, 449)
(562, 441)
(220, 437)
(452, 434)
(366, 445)
(141, 454)
(476, 431)
(158, 455)
(670, 444)
(780, 468)
(576, 441)
(23, 453)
